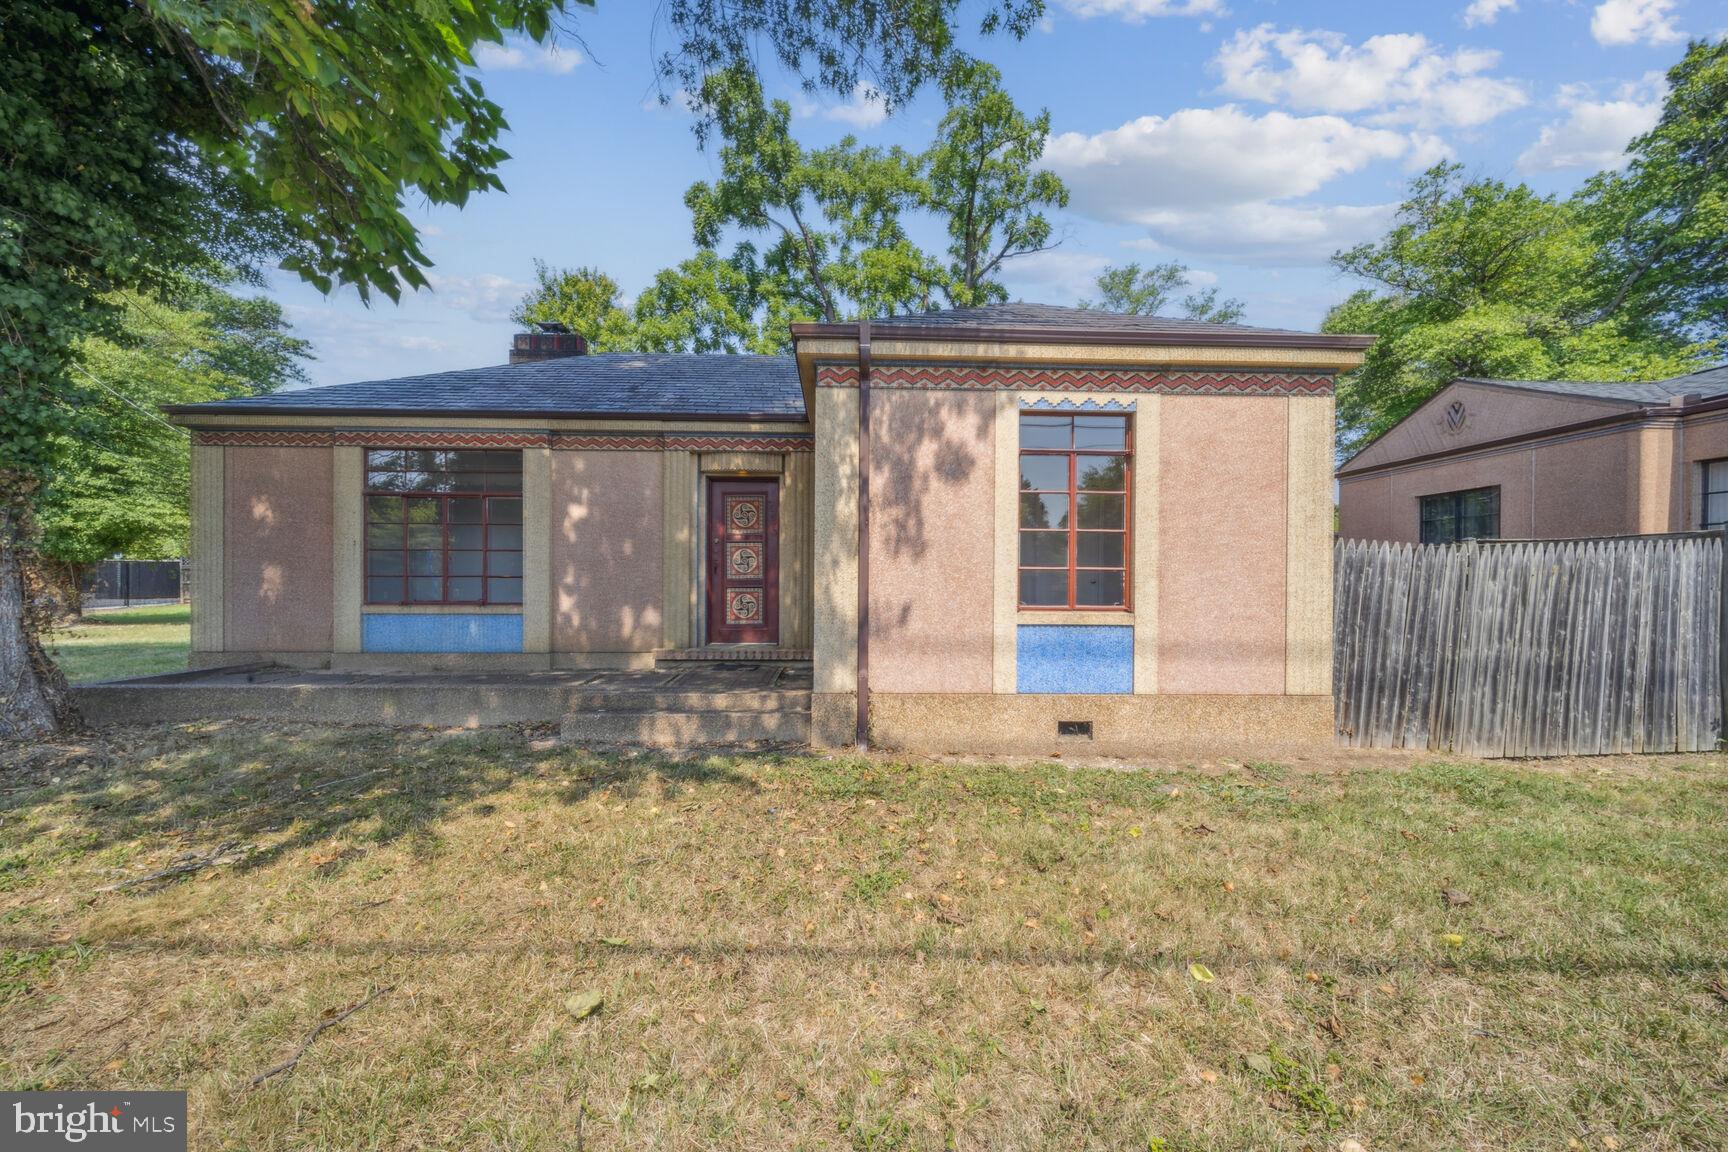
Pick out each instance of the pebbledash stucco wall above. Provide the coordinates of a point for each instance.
(932, 532)
(1228, 633)
(606, 519)
(277, 548)
(612, 536)
(1222, 508)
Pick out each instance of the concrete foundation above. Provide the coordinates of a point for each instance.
(1121, 725)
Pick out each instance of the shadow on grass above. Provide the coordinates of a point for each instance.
(1509, 962)
(297, 787)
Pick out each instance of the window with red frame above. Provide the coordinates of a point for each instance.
(1074, 497)
(443, 527)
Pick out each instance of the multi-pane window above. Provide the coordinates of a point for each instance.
(443, 527)
(1715, 510)
(1473, 514)
(1074, 510)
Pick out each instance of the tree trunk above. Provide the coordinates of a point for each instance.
(34, 701)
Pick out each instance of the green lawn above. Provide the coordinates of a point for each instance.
(831, 952)
(124, 642)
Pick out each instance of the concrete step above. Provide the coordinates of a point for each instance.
(672, 700)
(685, 729)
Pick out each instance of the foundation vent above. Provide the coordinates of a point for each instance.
(1074, 729)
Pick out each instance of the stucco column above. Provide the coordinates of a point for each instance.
(348, 535)
(207, 513)
(835, 638)
(1144, 543)
(1006, 544)
(679, 476)
(1661, 492)
(1308, 548)
(537, 550)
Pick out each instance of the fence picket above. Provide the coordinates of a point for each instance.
(1530, 648)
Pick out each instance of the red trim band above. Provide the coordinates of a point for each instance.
(997, 378)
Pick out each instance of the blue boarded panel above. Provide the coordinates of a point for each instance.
(464, 632)
(1075, 658)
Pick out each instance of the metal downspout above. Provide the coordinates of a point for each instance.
(863, 730)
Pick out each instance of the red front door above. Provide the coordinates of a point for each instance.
(743, 562)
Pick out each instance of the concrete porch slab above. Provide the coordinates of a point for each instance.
(439, 699)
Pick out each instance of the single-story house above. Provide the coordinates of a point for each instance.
(977, 524)
(1545, 459)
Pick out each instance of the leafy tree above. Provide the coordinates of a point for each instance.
(833, 44)
(121, 477)
(835, 246)
(711, 304)
(1478, 278)
(1663, 223)
(1147, 291)
(585, 300)
(984, 179)
(139, 138)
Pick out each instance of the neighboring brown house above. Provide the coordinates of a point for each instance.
(1545, 459)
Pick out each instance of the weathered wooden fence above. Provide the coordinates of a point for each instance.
(1531, 648)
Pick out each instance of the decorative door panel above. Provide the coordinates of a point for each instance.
(743, 562)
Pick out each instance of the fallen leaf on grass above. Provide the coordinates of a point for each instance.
(1719, 988)
(1454, 898)
(1453, 939)
(1201, 973)
(582, 1005)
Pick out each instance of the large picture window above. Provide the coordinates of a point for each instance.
(1449, 517)
(1714, 514)
(443, 527)
(1074, 514)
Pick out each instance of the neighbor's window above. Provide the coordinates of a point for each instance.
(1074, 510)
(1449, 517)
(1715, 511)
(443, 527)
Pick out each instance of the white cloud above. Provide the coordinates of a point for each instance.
(1426, 150)
(1618, 22)
(1400, 78)
(1134, 11)
(1217, 181)
(526, 56)
(1054, 275)
(1206, 157)
(1487, 11)
(1594, 133)
(487, 297)
(1269, 234)
(864, 110)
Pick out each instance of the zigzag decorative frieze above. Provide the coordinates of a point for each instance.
(684, 442)
(1195, 382)
(270, 438)
(723, 443)
(610, 442)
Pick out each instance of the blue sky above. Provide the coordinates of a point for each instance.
(1248, 140)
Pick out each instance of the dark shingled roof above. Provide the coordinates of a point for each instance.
(1055, 316)
(1709, 383)
(599, 384)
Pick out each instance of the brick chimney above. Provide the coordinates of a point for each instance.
(553, 341)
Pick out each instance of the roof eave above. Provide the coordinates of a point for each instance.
(474, 413)
(1111, 336)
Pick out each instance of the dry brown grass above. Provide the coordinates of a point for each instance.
(813, 952)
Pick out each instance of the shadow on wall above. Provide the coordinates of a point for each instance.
(932, 485)
(606, 563)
